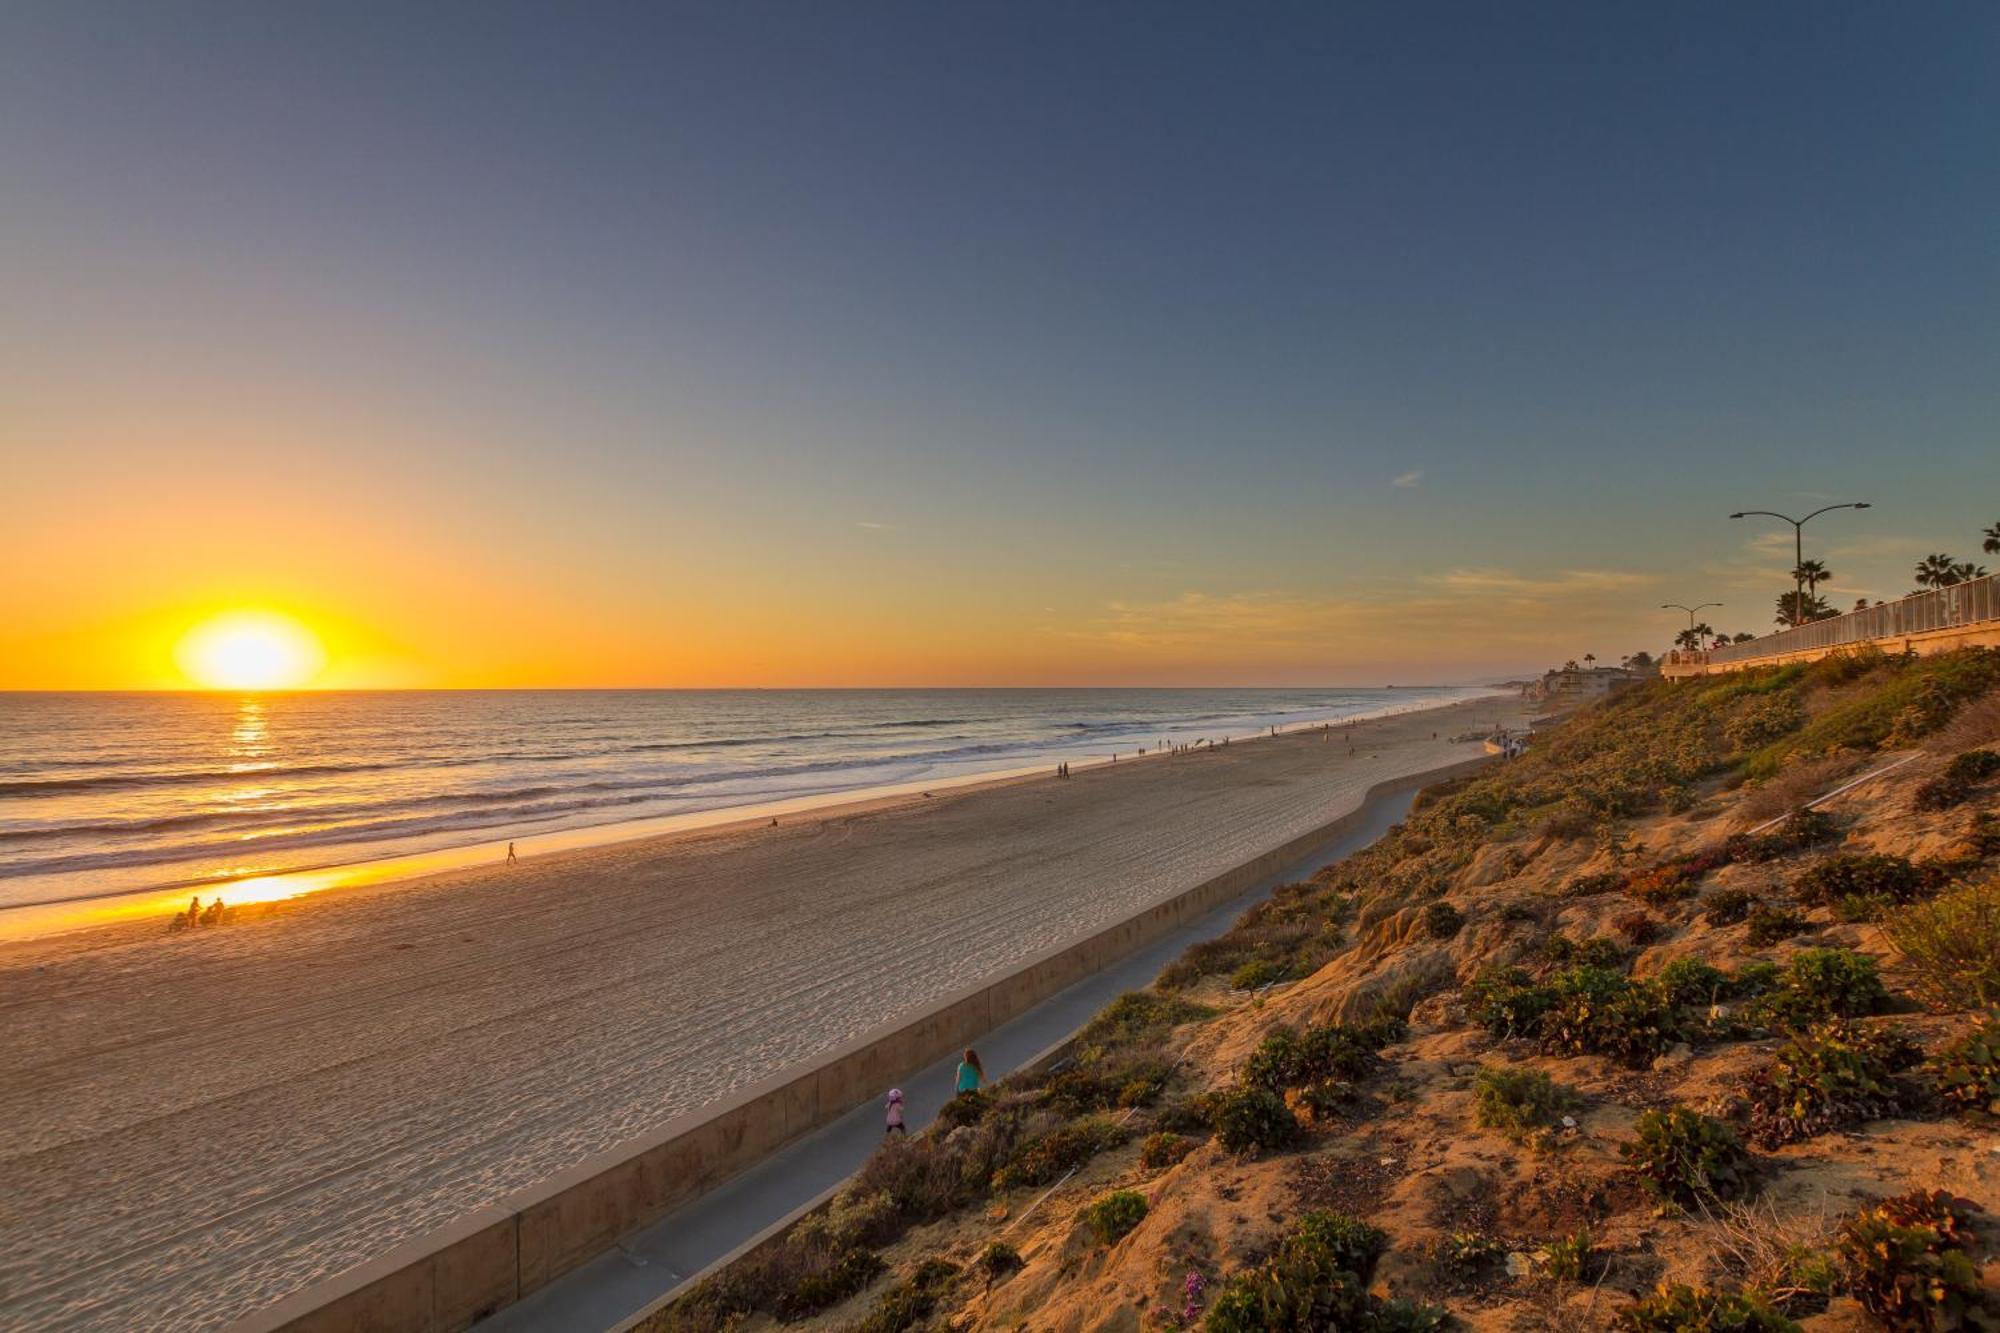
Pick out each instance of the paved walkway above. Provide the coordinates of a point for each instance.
(618, 1286)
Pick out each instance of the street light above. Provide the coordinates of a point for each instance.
(1798, 547)
(1677, 606)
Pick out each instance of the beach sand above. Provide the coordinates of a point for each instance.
(202, 1123)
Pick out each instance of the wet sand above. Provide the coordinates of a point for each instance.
(203, 1123)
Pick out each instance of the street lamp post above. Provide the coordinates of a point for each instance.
(1799, 547)
(1677, 606)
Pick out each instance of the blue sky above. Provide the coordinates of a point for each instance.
(1025, 343)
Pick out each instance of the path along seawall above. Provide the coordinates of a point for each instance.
(450, 1278)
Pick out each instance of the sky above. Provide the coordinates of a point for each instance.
(914, 344)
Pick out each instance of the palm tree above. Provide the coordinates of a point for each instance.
(1937, 571)
(1992, 543)
(1590, 660)
(1812, 573)
(1966, 571)
(1743, 638)
(1690, 637)
(1797, 608)
(1861, 604)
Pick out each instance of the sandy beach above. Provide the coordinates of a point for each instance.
(203, 1123)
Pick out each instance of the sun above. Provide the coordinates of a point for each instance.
(250, 650)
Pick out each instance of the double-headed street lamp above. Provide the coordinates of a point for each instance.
(1677, 606)
(1798, 548)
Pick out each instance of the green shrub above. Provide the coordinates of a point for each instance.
(1506, 1003)
(1905, 1262)
(1939, 794)
(997, 1260)
(1952, 944)
(1140, 1017)
(1519, 1102)
(967, 1108)
(1046, 1157)
(1870, 873)
(1163, 1148)
(1855, 908)
(1973, 766)
(1256, 975)
(1598, 951)
(1684, 1309)
(1254, 1119)
(1726, 907)
(1755, 978)
(1759, 725)
(1687, 1159)
(1318, 1279)
(1967, 1072)
(1598, 1012)
(1837, 1075)
(1800, 830)
(1774, 925)
(1822, 984)
(910, 1302)
(1570, 1259)
(1442, 921)
(1111, 1216)
(847, 1273)
(1292, 1059)
(1589, 886)
(1689, 981)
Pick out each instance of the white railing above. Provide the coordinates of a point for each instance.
(1920, 613)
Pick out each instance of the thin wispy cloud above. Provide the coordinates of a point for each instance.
(1409, 481)
(874, 527)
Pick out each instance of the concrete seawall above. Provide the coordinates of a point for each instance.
(445, 1280)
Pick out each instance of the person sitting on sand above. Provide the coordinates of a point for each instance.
(970, 1072)
(895, 1117)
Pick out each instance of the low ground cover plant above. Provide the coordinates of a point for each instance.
(911, 1302)
(1904, 1260)
(1836, 1075)
(1317, 1279)
(1254, 1119)
(1774, 925)
(1519, 1102)
(1688, 1160)
(1821, 984)
(1683, 1309)
(1111, 1216)
(1966, 1072)
(1836, 877)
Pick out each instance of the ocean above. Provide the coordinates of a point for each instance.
(105, 794)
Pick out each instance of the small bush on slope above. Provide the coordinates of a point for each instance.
(1687, 1159)
(1837, 1075)
(1317, 1280)
(1905, 1262)
(1952, 944)
(1822, 984)
(1112, 1216)
(1873, 873)
(1966, 1073)
(1254, 1119)
(1519, 1102)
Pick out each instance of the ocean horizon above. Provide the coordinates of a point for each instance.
(120, 792)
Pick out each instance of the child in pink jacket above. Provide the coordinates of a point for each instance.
(895, 1125)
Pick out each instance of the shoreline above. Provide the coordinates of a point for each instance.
(132, 911)
(384, 1061)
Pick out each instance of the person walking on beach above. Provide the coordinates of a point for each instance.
(511, 858)
(970, 1072)
(894, 1123)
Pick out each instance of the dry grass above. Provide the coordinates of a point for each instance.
(1976, 724)
(1794, 786)
(1754, 1245)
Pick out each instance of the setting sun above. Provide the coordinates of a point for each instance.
(250, 650)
